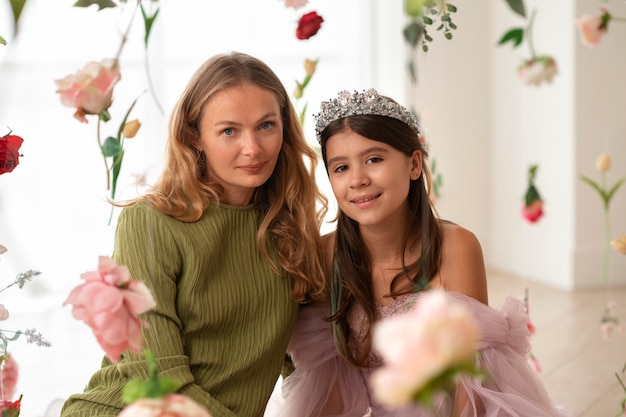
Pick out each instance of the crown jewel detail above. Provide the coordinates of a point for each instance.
(368, 102)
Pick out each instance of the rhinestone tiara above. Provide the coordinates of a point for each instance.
(368, 102)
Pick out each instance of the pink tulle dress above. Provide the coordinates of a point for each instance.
(323, 384)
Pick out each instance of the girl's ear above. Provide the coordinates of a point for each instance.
(416, 164)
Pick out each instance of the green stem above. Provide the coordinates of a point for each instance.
(151, 85)
(104, 158)
(529, 33)
(607, 231)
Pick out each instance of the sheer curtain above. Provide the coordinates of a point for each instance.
(53, 214)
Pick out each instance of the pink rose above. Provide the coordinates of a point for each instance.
(296, 4)
(90, 90)
(9, 153)
(593, 28)
(4, 313)
(308, 25)
(533, 212)
(436, 336)
(538, 70)
(110, 302)
(171, 405)
(9, 374)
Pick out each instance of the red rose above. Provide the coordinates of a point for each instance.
(9, 152)
(10, 409)
(308, 25)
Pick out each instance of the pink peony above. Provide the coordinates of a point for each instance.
(90, 90)
(593, 28)
(533, 212)
(437, 336)
(110, 302)
(8, 381)
(171, 405)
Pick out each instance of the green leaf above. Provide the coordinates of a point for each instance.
(427, 20)
(451, 8)
(613, 189)
(148, 21)
(596, 187)
(17, 6)
(532, 195)
(515, 36)
(116, 167)
(155, 387)
(2, 41)
(102, 4)
(517, 6)
(111, 146)
(413, 33)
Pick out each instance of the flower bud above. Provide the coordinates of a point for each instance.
(620, 244)
(310, 66)
(297, 93)
(131, 128)
(603, 163)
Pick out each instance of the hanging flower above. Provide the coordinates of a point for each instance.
(532, 208)
(9, 152)
(538, 70)
(110, 302)
(296, 4)
(90, 90)
(620, 244)
(424, 350)
(308, 25)
(593, 28)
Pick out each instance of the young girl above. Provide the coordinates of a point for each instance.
(228, 242)
(388, 247)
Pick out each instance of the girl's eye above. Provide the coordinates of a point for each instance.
(228, 132)
(374, 159)
(340, 168)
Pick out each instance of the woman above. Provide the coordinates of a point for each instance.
(227, 240)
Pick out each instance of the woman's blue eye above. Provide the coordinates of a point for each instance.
(229, 132)
(266, 125)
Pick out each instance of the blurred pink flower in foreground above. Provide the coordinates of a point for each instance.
(9, 373)
(171, 405)
(538, 70)
(90, 90)
(423, 350)
(110, 302)
(593, 28)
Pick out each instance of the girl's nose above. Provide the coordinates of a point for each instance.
(359, 178)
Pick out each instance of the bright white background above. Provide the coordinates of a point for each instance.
(484, 127)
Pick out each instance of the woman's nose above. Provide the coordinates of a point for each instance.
(251, 144)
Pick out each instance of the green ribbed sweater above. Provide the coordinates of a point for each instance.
(223, 317)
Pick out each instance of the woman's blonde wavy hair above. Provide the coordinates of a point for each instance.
(290, 205)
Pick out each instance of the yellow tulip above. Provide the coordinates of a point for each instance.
(131, 128)
(603, 163)
(620, 244)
